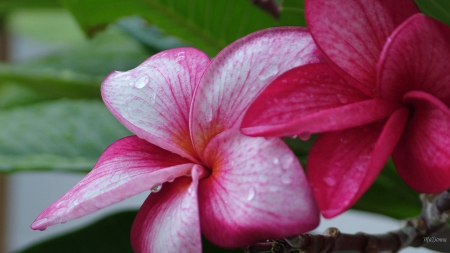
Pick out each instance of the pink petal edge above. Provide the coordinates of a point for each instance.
(128, 167)
(257, 190)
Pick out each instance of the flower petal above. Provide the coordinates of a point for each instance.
(168, 221)
(353, 37)
(417, 59)
(128, 167)
(153, 100)
(257, 190)
(342, 165)
(312, 99)
(239, 73)
(422, 156)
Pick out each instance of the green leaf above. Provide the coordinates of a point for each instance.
(149, 35)
(438, 9)
(209, 25)
(78, 71)
(390, 196)
(292, 13)
(6, 5)
(108, 235)
(64, 135)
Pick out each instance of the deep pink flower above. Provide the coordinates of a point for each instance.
(186, 111)
(384, 91)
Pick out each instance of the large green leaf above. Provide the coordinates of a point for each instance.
(14, 4)
(78, 71)
(439, 9)
(65, 135)
(209, 25)
(390, 196)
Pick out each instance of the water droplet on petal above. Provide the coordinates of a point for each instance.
(342, 99)
(305, 136)
(263, 178)
(181, 56)
(329, 181)
(209, 115)
(276, 160)
(170, 179)
(286, 161)
(115, 178)
(268, 73)
(286, 179)
(251, 194)
(76, 202)
(294, 136)
(141, 82)
(157, 188)
(153, 98)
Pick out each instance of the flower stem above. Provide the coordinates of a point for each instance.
(428, 230)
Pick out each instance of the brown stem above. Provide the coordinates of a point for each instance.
(428, 230)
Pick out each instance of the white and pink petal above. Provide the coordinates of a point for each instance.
(168, 221)
(257, 190)
(128, 167)
(239, 73)
(153, 100)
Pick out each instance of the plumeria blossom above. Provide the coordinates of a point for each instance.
(385, 90)
(186, 111)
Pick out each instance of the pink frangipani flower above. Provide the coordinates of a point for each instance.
(385, 90)
(186, 111)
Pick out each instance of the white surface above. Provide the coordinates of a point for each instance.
(30, 193)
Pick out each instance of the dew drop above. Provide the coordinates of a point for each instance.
(268, 73)
(284, 81)
(157, 188)
(170, 179)
(209, 115)
(286, 161)
(273, 188)
(305, 136)
(329, 181)
(294, 136)
(342, 99)
(76, 202)
(286, 179)
(153, 98)
(141, 82)
(181, 56)
(42, 229)
(251, 194)
(263, 178)
(115, 178)
(276, 160)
